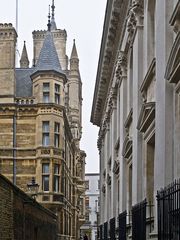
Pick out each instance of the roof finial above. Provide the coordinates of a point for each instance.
(53, 23)
(49, 21)
(53, 8)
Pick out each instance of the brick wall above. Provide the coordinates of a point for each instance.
(23, 218)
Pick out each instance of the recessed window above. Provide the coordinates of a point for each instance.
(57, 93)
(45, 177)
(87, 184)
(56, 178)
(46, 94)
(45, 133)
(56, 134)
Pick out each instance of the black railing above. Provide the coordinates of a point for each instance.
(139, 221)
(106, 231)
(122, 225)
(101, 232)
(168, 200)
(113, 228)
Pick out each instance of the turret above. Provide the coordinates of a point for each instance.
(24, 61)
(75, 95)
(8, 38)
(48, 77)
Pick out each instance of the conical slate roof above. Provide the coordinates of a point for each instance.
(74, 51)
(48, 58)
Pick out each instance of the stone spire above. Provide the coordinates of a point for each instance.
(24, 61)
(74, 60)
(53, 23)
(74, 51)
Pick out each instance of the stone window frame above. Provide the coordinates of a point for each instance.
(46, 92)
(56, 134)
(45, 133)
(57, 93)
(45, 174)
(56, 178)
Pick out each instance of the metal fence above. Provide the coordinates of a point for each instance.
(106, 231)
(100, 232)
(122, 226)
(169, 212)
(113, 228)
(139, 221)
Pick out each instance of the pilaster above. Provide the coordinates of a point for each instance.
(137, 9)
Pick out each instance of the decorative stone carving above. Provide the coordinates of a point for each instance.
(135, 18)
(175, 18)
(45, 151)
(138, 9)
(108, 180)
(131, 25)
(116, 167)
(103, 188)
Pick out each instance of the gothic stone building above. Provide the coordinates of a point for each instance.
(136, 106)
(40, 123)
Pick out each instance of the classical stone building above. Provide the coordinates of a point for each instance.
(136, 106)
(40, 123)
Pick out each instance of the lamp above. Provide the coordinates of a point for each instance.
(33, 188)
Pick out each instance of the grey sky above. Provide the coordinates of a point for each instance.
(83, 21)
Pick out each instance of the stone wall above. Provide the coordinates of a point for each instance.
(21, 217)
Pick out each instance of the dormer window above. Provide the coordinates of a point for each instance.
(46, 94)
(57, 94)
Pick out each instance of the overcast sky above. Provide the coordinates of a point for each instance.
(83, 21)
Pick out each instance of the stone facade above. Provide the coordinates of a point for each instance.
(22, 217)
(135, 104)
(40, 123)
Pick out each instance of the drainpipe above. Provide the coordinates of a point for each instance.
(14, 148)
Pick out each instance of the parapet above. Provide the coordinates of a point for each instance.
(7, 31)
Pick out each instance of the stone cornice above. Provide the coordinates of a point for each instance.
(173, 65)
(115, 21)
(150, 75)
(175, 18)
(127, 147)
(146, 117)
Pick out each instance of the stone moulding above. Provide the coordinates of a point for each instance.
(173, 66)
(147, 79)
(127, 147)
(175, 18)
(146, 117)
(128, 120)
(116, 167)
(103, 189)
(108, 180)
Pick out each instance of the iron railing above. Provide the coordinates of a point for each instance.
(113, 228)
(106, 231)
(101, 232)
(168, 201)
(139, 221)
(122, 226)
